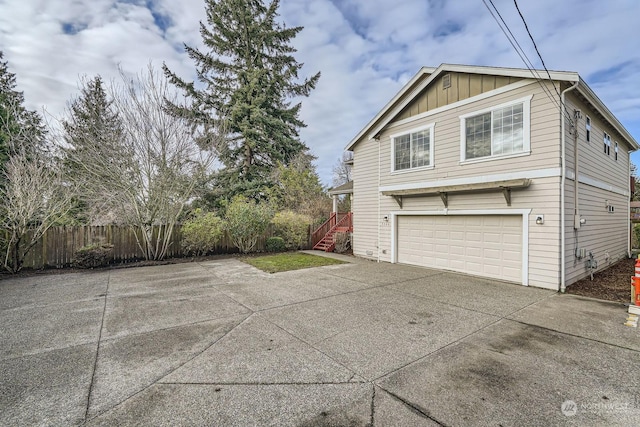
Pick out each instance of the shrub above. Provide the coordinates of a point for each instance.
(246, 222)
(293, 228)
(201, 233)
(342, 241)
(93, 256)
(275, 244)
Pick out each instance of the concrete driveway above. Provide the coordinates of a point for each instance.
(220, 343)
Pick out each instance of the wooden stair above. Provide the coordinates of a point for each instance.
(329, 229)
(327, 243)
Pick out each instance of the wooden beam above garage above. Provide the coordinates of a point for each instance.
(444, 190)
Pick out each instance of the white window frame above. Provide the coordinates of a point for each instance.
(587, 127)
(526, 131)
(607, 144)
(615, 149)
(430, 127)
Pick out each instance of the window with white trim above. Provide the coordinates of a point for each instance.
(615, 145)
(607, 144)
(497, 132)
(587, 127)
(412, 150)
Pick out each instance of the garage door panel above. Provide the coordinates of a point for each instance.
(473, 236)
(489, 246)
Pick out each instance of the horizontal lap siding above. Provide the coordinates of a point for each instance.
(542, 196)
(365, 199)
(593, 161)
(545, 136)
(603, 232)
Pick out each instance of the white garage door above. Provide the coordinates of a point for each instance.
(489, 246)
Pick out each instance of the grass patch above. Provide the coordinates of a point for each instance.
(289, 261)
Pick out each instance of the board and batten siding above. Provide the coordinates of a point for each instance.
(462, 86)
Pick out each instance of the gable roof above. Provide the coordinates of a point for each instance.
(427, 75)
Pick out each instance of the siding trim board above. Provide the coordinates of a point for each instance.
(531, 174)
(525, 229)
(583, 179)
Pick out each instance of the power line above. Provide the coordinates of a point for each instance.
(520, 51)
(526, 27)
(525, 59)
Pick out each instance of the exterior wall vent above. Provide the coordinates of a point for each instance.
(446, 81)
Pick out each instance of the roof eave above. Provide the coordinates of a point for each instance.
(590, 95)
(569, 76)
(381, 113)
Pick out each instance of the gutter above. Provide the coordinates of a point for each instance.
(563, 179)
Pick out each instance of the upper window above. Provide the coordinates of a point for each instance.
(497, 132)
(587, 126)
(615, 144)
(607, 144)
(413, 149)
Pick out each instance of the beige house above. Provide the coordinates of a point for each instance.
(473, 169)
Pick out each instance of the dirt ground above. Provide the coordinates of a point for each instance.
(612, 284)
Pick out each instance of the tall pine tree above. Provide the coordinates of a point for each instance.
(92, 132)
(19, 128)
(248, 78)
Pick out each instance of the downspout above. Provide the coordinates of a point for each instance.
(563, 180)
(377, 139)
(629, 228)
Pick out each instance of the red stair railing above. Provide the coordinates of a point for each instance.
(322, 238)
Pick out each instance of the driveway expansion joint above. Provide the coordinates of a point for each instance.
(166, 374)
(95, 362)
(422, 412)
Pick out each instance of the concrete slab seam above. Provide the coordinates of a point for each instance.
(236, 301)
(95, 362)
(313, 347)
(521, 322)
(422, 412)
(331, 296)
(259, 383)
(388, 284)
(168, 373)
(169, 328)
(372, 421)
(452, 343)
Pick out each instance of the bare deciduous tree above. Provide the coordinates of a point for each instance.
(147, 176)
(33, 195)
(341, 173)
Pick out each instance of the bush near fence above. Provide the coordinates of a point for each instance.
(59, 244)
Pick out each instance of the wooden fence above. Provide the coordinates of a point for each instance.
(58, 245)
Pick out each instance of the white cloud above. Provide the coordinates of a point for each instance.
(366, 49)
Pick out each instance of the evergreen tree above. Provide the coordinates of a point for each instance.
(297, 188)
(93, 133)
(248, 77)
(19, 128)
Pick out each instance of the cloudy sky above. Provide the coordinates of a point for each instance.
(366, 49)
